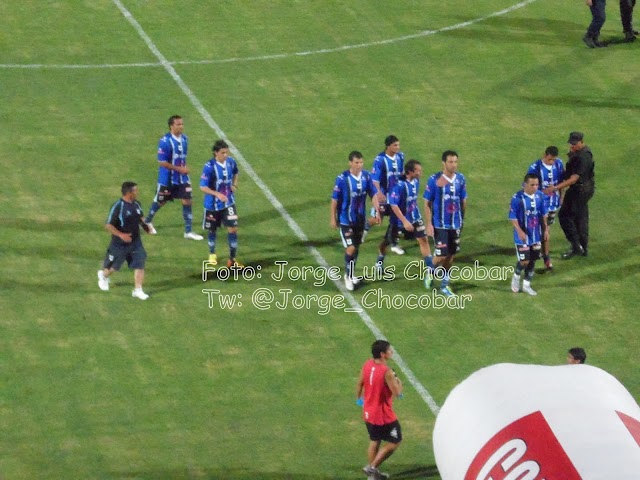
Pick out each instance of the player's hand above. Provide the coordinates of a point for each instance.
(408, 226)
(381, 197)
(522, 236)
(588, 2)
(374, 220)
(548, 191)
(546, 235)
(183, 170)
(223, 198)
(442, 181)
(126, 237)
(429, 229)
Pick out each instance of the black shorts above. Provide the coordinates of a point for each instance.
(526, 253)
(551, 217)
(393, 232)
(351, 235)
(447, 242)
(166, 193)
(134, 253)
(214, 218)
(389, 432)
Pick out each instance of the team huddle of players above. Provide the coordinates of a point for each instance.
(394, 188)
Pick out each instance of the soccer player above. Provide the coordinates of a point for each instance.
(549, 169)
(528, 216)
(376, 388)
(123, 223)
(576, 356)
(173, 176)
(385, 172)
(219, 182)
(348, 209)
(403, 201)
(446, 201)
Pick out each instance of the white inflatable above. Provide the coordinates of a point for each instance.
(533, 422)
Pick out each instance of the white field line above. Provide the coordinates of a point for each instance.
(422, 391)
(275, 56)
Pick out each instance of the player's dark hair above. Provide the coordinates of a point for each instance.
(172, 119)
(448, 153)
(390, 140)
(578, 353)
(552, 150)
(127, 187)
(410, 166)
(529, 176)
(355, 154)
(379, 347)
(219, 145)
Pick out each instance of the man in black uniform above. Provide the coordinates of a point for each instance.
(626, 15)
(574, 212)
(123, 223)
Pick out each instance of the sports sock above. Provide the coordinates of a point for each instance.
(528, 272)
(155, 206)
(233, 244)
(187, 215)
(211, 240)
(349, 264)
(519, 268)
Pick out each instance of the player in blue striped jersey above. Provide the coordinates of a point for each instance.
(549, 169)
(403, 201)
(445, 202)
(349, 211)
(173, 176)
(219, 182)
(528, 215)
(385, 172)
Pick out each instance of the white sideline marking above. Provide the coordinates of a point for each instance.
(422, 391)
(276, 56)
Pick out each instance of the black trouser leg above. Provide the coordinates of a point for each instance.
(582, 219)
(626, 14)
(567, 218)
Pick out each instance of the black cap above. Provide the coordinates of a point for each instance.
(575, 137)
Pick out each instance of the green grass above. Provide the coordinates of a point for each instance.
(99, 386)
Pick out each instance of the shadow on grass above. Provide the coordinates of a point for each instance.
(405, 472)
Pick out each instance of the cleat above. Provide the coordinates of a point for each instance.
(428, 279)
(138, 293)
(526, 288)
(373, 473)
(446, 291)
(589, 41)
(629, 37)
(356, 280)
(515, 283)
(397, 250)
(548, 265)
(152, 230)
(348, 283)
(193, 236)
(103, 282)
(572, 253)
(233, 263)
(379, 269)
(213, 259)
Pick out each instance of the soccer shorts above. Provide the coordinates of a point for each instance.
(447, 242)
(551, 217)
(526, 253)
(214, 218)
(134, 253)
(389, 432)
(351, 235)
(166, 193)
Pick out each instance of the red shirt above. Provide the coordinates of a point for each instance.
(378, 398)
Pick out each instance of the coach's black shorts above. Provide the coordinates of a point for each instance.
(447, 242)
(134, 253)
(389, 432)
(214, 218)
(166, 193)
(526, 253)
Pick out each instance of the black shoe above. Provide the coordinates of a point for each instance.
(599, 44)
(629, 37)
(589, 41)
(572, 252)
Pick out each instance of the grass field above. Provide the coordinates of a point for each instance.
(98, 385)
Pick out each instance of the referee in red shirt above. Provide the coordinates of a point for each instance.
(377, 387)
